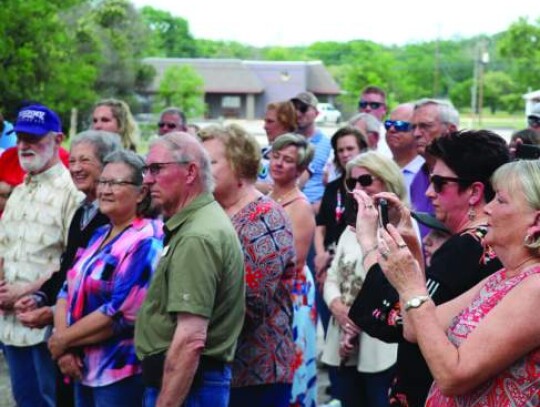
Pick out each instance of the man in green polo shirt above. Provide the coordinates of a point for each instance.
(187, 327)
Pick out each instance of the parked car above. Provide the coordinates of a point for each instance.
(327, 113)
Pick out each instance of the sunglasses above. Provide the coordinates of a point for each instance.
(301, 107)
(399, 125)
(374, 105)
(533, 121)
(439, 181)
(364, 180)
(170, 126)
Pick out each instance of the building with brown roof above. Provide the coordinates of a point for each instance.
(242, 89)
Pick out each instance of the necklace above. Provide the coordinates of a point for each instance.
(281, 198)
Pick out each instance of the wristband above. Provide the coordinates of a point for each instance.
(369, 251)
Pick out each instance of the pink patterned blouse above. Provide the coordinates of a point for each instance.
(519, 384)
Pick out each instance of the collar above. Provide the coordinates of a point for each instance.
(179, 218)
(54, 172)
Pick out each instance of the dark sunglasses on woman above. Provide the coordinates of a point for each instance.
(439, 181)
(364, 180)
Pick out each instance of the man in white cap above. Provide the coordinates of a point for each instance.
(533, 119)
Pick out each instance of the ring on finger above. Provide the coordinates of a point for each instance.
(402, 245)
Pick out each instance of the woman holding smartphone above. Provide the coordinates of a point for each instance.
(364, 371)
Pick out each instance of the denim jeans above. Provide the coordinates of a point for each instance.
(124, 393)
(213, 390)
(33, 375)
(354, 388)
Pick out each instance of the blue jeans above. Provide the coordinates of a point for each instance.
(264, 395)
(354, 388)
(127, 392)
(212, 391)
(33, 375)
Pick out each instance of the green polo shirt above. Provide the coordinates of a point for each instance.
(201, 272)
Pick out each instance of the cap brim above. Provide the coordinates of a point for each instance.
(37, 131)
(427, 219)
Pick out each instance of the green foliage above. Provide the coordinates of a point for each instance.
(224, 49)
(170, 35)
(181, 86)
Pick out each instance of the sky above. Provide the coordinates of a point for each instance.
(300, 22)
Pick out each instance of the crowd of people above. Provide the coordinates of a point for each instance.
(196, 274)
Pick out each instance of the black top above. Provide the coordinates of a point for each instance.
(331, 211)
(78, 237)
(459, 264)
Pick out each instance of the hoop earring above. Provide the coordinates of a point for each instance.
(529, 240)
(471, 213)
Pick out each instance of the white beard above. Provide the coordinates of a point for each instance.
(38, 161)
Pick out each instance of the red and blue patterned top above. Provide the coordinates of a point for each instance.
(519, 384)
(113, 279)
(265, 347)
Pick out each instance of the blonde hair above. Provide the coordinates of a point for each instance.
(128, 129)
(241, 148)
(383, 168)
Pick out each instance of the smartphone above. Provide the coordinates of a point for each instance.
(527, 152)
(383, 212)
(351, 210)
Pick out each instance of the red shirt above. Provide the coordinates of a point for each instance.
(11, 171)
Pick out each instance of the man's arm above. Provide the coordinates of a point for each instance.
(182, 359)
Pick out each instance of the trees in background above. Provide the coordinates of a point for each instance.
(70, 53)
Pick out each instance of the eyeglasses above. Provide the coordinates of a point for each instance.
(374, 105)
(169, 125)
(114, 183)
(364, 180)
(439, 181)
(155, 168)
(301, 107)
(534, 121)
(399, 125)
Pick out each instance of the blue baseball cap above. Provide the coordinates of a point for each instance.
(37, 120)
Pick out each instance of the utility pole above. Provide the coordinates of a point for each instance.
(484, 60)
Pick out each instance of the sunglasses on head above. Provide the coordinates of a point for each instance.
(301, 107)
(533, 121)
(399, 125)
(439, 181)
(374, 105)
(364, 180)
(166, 124)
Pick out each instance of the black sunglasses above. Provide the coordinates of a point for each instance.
(166, 124)
(364, 180)
(439, 181)
(301, 107)
(533, 121)
(399, 125)
(374, 105)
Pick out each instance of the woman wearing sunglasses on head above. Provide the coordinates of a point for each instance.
(460, 189)
(364, 372)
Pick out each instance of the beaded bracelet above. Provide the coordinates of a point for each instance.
(368, 252)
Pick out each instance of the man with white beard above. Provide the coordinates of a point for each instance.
(33, 233)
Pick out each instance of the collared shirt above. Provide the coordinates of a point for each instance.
(89, 211)
(201, 272)
(33, 236)
(314, 187)
(419, 201)
(113, 279)
(411, 169)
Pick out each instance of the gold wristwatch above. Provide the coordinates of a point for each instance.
(416, 301)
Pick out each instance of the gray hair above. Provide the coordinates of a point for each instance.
(175, 111)
(104, 142)
(305, 151)
(372, 123)
(136, 163)
(447, 113)
(383, 168)
(187, 148)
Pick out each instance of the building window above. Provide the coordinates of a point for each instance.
(231, 102)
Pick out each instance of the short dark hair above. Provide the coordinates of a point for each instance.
(360, 137)
(528, 136)
(472, 155)
(374, 89)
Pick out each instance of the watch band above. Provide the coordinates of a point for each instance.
(416, 301)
